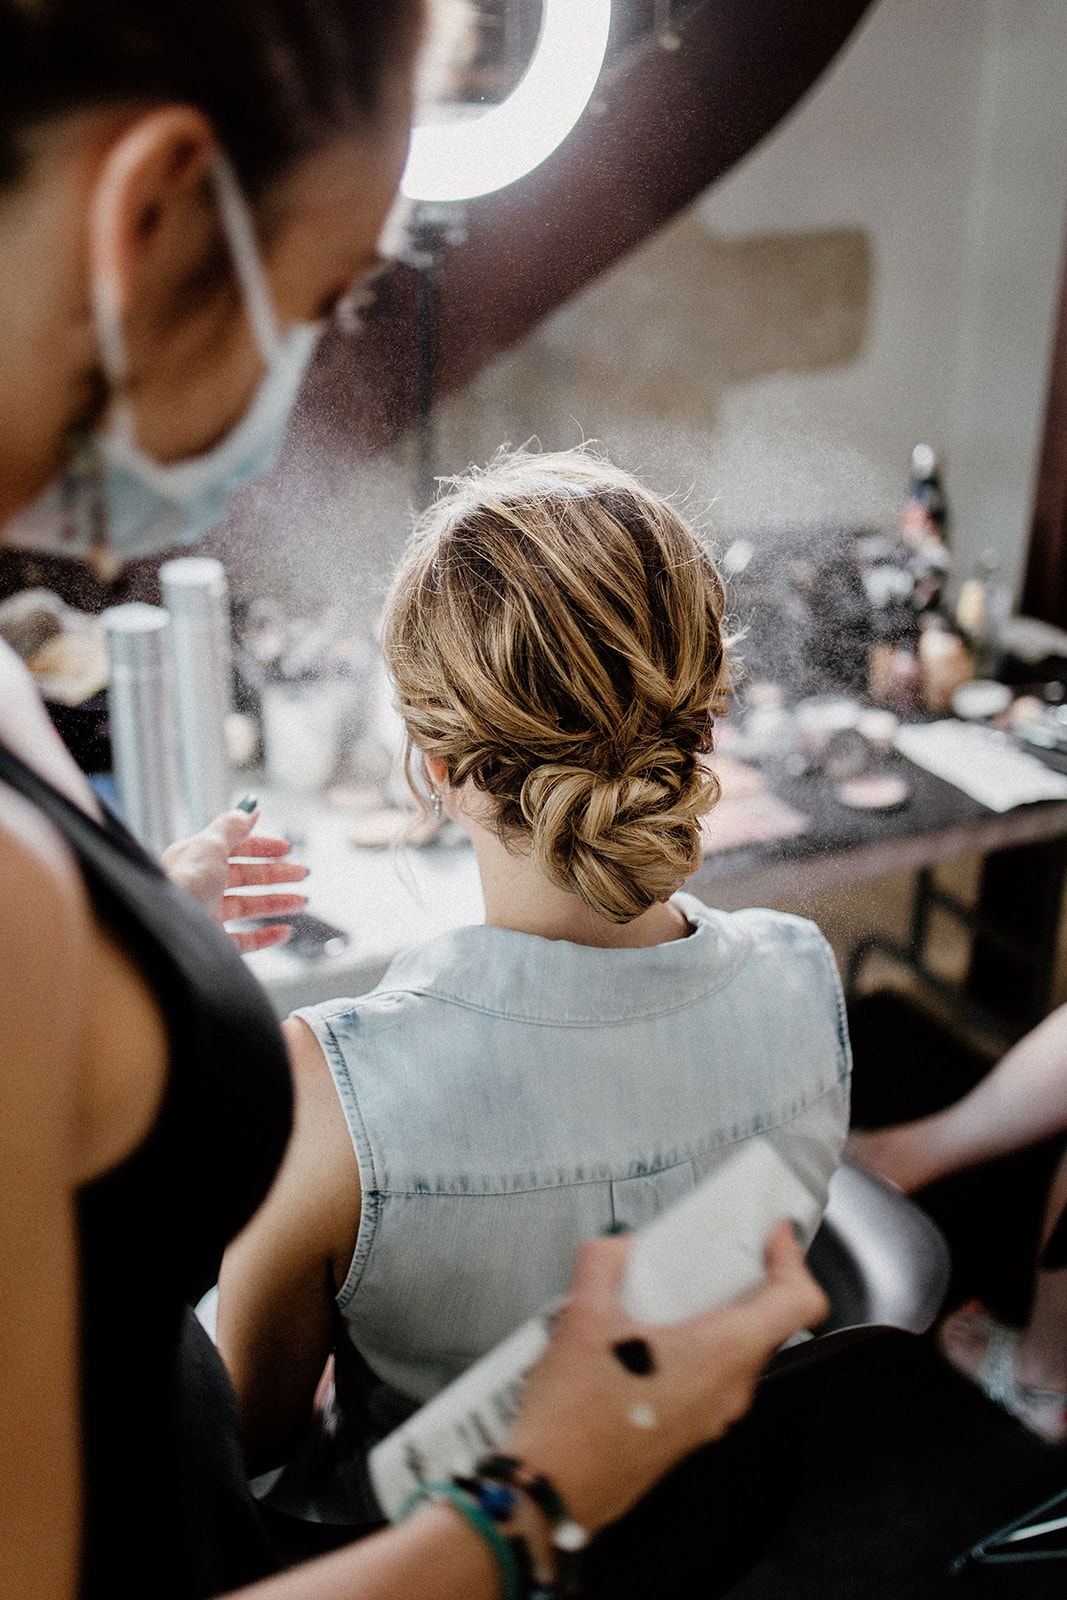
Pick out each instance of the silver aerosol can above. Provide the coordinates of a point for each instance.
(140, 708)
(196, 596)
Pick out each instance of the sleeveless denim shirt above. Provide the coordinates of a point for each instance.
(510, 1097)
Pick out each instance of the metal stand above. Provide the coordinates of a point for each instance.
(432, 229)
(1013, 928)
(1003, 1547)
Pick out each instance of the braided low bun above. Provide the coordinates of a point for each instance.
(555, 633)
(621, 843)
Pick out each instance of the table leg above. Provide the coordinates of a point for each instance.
(1013, 953)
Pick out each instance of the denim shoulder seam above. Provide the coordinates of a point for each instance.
(844, 1044)
(370, 1201)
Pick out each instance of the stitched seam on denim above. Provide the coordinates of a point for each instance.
(743, 948)
(844, 1043)
(370, 1204)
(737, 1135)
(432, 993)
(813, 941)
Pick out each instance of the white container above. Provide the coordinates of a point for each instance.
(981, 699)
(302, 727)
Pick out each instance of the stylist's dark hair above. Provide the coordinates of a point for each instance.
(275, 77)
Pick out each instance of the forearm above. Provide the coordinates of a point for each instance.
(433, 1555)
(1023, 1100)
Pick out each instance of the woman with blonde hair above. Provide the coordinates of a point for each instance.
(555, 633)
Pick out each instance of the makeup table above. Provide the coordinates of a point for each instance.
(387, 899)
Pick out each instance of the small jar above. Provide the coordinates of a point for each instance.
(945, 663)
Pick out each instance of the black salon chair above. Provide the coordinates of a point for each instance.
(885, 1267)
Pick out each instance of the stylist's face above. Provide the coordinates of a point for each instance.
(193, 364)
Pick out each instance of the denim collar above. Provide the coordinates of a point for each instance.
(531, 979)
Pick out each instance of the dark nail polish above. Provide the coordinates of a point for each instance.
(636, 1356)
(617, 1227)
(248, 803)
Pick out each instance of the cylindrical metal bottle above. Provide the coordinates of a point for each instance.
(197, 599)
(142, 723)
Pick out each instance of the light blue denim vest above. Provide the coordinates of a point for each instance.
(509, 1097)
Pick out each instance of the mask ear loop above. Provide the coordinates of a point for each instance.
(237, 225)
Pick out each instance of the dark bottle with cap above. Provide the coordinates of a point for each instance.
(922, 528)
(925, 513)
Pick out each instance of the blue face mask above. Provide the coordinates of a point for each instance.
(114, 502)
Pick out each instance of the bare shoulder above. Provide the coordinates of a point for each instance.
(306, 1056)
(320, 1121)
(321, 1162)
(77, 1019)
(43, 908)
(43, 919)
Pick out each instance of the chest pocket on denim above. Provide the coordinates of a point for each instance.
(636, 1201)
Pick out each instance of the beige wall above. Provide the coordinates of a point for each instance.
(882, 270)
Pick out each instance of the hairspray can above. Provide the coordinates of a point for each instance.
(196, 595)
(142, 723)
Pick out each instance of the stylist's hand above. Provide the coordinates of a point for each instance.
(220, 861)
(574, 1424)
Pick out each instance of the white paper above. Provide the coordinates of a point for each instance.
(697, 1255)
(982, 762)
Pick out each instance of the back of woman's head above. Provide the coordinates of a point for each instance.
(274, 77)
(555, 633)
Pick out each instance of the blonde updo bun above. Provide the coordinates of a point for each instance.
(555, 634)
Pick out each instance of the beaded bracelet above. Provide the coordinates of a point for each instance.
(526, 1529)
(473, 1513)
(569, 1539)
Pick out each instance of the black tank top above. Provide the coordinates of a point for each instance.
(167, 1512)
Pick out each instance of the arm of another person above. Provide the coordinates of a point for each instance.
(280, 1275)
(1020, 1102)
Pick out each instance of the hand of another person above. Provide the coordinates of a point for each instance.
(577, 1418)
(223, 859)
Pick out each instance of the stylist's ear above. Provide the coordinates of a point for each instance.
(151, 221)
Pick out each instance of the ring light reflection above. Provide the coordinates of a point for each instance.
(462, 160)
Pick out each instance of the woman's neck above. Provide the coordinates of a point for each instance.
(519, 897)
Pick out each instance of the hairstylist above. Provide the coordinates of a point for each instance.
(187, 188)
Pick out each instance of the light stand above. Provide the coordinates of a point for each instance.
(431, 229)
(451, 163)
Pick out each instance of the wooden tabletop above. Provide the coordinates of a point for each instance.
(939, 823)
